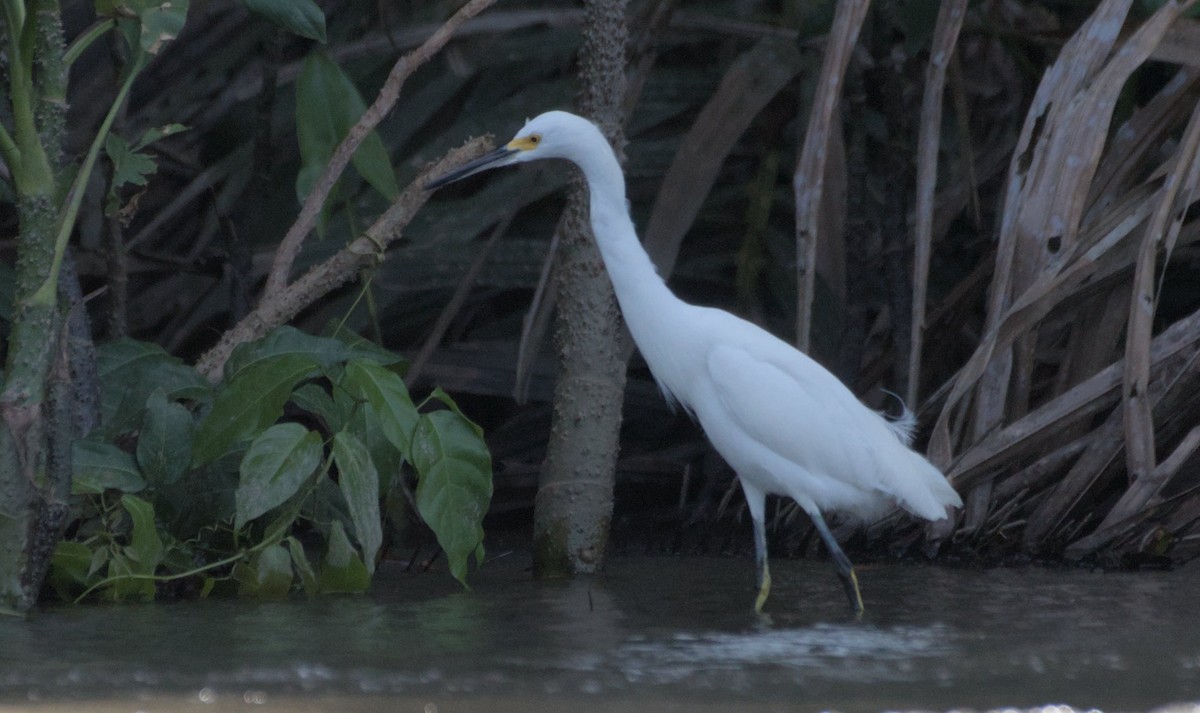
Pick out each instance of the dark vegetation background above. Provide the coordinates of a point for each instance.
(463, 293)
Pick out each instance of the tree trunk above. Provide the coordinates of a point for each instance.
(27, 492)
(574, 501)
(36, 402)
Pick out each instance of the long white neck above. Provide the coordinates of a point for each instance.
(635, 280)
(655, 316)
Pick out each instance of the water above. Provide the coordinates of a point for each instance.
(651, 634)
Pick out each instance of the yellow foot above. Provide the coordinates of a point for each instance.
(856, 601)
(763, 591)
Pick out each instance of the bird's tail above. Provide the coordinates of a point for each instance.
(928, 493)
(904, 426)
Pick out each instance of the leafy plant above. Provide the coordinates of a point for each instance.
(301, 17)
(327, 106)
(210, 476)
(48, 195)
(279, 450)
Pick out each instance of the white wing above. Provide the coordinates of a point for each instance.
(802, 413)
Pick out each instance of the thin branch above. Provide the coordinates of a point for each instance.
(1177, 193)
(289, 247)
(46, 293)
(1038, 201)
(809, 179)
(1086, 399)
(278, 308)
(1121, 519)
(945, 37)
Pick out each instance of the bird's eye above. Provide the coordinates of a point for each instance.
(535, 139)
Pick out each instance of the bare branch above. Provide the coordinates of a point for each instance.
(809, 179)
(945, 37)
(279, 307)
(1049, 181)
(290, 246)
(1176, 195)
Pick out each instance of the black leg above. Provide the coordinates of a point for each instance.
(760, 561)
(845, 569)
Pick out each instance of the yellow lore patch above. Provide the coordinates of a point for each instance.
(525, 143)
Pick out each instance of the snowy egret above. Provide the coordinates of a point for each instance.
(781, 420)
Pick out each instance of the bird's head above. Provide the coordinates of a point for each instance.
(551, 135)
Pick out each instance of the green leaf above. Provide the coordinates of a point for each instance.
(128, 588)
(203, 497)
(286, 341)
(129, 371)
(178, 557)
(300, 17)
(123, 354)
(162, 21)
(315, 400)
(73, 560)
(454, 487)
(342, 571)
(365, 423)
(268, 574)
(445, 398)
(250, 401)
(96, 467)
(300, 560)
(363, 349)
(278, 529)
(360, 486)
(129, 166)
(327, 106)
(273, 469)
(164, 446)
(126, 407)
(325, 505)
(157, 21)
(387, 395)
(145, 549)
(70, 568)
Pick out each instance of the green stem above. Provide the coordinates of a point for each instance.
(363, 291)
(232, 559)
(45, 294)
(86, 38)
(269, 540)
(31, 172)
(14, 14)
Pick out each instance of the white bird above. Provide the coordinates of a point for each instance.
(782, 421)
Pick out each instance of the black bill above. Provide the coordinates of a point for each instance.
(489, 160)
